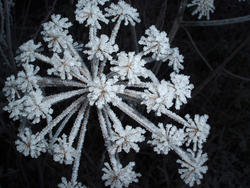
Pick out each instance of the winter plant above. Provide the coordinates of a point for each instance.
(102, 77)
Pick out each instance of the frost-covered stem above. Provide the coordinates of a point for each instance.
(113, 117)
(152, 76)
(43, 58)
(148, 50)
(53, 123)
(109, 126)
(79, 77)
(133, 94)
(52, 99)
(79, 148)
(80, 116)
(61, 127)
(75, 54)
(175, 117)
(92, 32)
(103, 125)
(182, 154)
(54, 82)
(94, 67)
(143, 121)
(101, 67)
(115, 30)
(2, 20)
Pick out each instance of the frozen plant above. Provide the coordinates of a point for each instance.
(105, 79)
(203, 8)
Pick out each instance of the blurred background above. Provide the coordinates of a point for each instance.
(217, 58)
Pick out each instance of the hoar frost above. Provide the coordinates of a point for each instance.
(114, 77)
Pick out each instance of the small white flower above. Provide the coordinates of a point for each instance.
(57, 40)
(28, 145)
(130, 66)
(197, 130)
(103, 91)
(15, 108)
(118, 177)
(10, 88)
(35, 108)
(63, 152)
(167, 137)
(193, 170)
(66, 184)
(65, 66)
(182, 88)
(203, 8)
(175, 60)
(123, 11)
(158, 97)
(156, 43)
(91, 14)
(101, 48)
(27, 51)
(27, 79)
(57, 23)
(126, 139)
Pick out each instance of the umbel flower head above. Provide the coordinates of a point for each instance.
(102, 77)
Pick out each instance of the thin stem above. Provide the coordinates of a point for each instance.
(115, 30)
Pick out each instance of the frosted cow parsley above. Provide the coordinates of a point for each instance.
(102, 77)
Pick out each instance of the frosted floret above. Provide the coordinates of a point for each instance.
(10, 88)
(103, 91)
(118, 177)
(15, 108)
(27, 51)
(156, 43)
(91, 14)
(159, 97)
(192, 171)
(101, 48)
(175, 60)
(126, 139)
(81, 3)
(203, 8)
(27, 79)
(66, 184)
(35, 108)
(169, 136)
(63, 152)
(182, 88)
(123, 11)
(197, 130)
(28, 145)
(65, 66)
(57, 23)
(57, 41)
(130, 66)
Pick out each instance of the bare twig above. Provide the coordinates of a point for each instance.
(216, 22)
(197, 49)
(236, 76)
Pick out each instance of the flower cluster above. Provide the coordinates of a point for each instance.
(102, 77)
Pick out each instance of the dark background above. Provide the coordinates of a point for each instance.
(221, 91)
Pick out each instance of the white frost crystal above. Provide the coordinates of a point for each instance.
(27, 51)
(126, 139)
(159, 97)
(57, 23)
(166, 138)
(10, 88)
(130, 66)
(63, 67)
(175, 60)
(101, 48)
(156, 43)
(123, 11)
(63, 152)
(103, 91)
(192, 171)
(203, 8)
(197, 130)
(117, 176)
(28, 145)
(182, 88)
